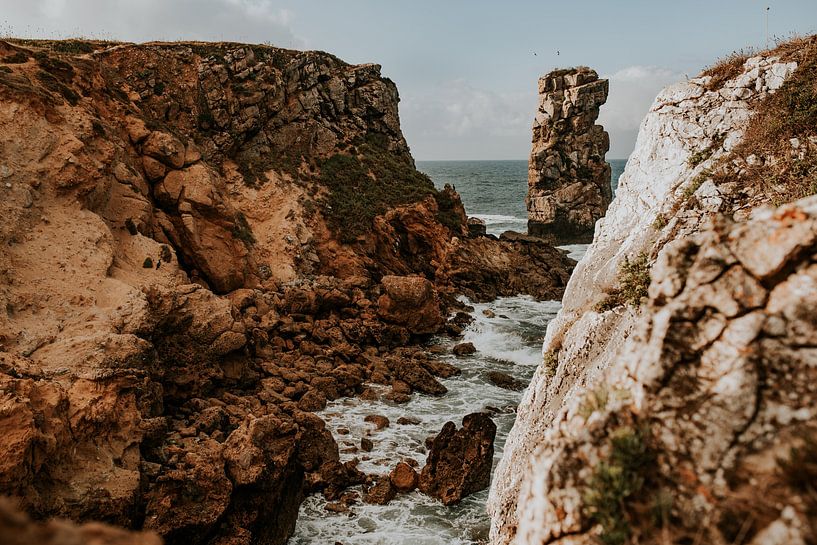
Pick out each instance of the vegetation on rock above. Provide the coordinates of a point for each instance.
(633, 281)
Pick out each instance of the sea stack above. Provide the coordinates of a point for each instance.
(568, 178)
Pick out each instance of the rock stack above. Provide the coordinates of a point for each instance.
(568, 178)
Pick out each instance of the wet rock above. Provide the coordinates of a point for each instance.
(464, 349)
(411, 302)
(414, 374)
(366, 444)
(403, 477)
(408, 421)
(506, 381)
(476, 227)
(381, 492)
(380, 422)
(459, 461)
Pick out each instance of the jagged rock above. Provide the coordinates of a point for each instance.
(569, 180)
(459, 461)
(484, 268)
(464, 349)
(381, 492)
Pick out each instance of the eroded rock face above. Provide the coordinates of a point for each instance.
(717, 381)
(459, 460)
(568, 179)
(666, 194)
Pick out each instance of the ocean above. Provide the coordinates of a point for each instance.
(507, 339)
(494, 190)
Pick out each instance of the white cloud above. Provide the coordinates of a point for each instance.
(228, 20)
(632, 91)
(467, 122)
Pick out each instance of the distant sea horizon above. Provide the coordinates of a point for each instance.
(494, 190)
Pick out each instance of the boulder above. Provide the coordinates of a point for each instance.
(459, 461)
(381, 492)
(403, 477)
(476, 227)
(378, 420)
(166, 148)
(506, 381)
(464, 349)
(411, 302)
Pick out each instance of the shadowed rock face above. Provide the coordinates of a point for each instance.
(568, 178)
(459, 461)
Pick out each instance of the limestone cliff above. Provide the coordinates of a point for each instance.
(568, 178)
(674, 401)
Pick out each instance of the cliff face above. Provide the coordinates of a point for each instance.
(568, 179)
(196, 249)
(661, 386)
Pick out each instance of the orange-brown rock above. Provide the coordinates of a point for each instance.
(411, 302)
(403, 477)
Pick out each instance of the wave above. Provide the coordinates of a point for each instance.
(493, 219)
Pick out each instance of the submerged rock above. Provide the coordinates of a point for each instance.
(459, 461)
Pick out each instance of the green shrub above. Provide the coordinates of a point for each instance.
(616, 482)
(633, 283)
(19, 57)
(550, 362)
(365, 186)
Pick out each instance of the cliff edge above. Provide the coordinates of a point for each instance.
(673, 400)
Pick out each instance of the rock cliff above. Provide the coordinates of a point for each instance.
(673, 400)
(201, 244)
(568, 178)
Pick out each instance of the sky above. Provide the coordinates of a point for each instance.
(466, 70)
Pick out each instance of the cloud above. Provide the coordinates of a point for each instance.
(467, 122)
(228, 20)
(632, 91)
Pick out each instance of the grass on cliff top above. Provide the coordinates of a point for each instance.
(777, 136)
(364, 186)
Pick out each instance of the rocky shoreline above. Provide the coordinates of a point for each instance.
(185, 282)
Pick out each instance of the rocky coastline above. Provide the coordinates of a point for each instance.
(204, 243)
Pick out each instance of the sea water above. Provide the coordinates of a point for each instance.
(507, 339)
(494, 191)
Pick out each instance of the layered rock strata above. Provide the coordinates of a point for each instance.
(568, 178)
(680, 394)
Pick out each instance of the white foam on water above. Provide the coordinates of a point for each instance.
(496, 224)
(509, 342)
(575, 251)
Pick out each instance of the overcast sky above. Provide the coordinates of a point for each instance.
(466, 69)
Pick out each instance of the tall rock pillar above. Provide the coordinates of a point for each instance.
(568, 178)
